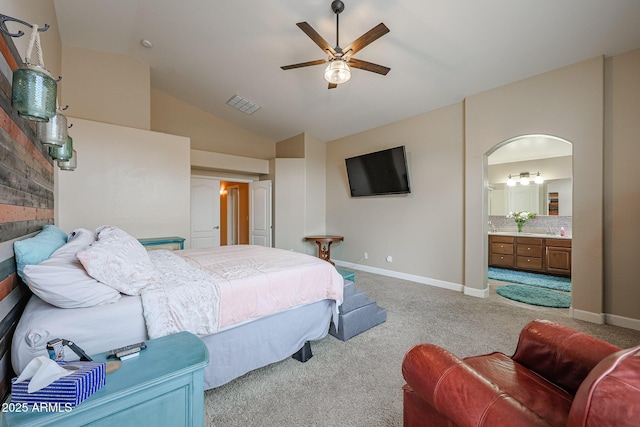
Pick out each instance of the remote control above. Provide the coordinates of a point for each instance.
(128, 349)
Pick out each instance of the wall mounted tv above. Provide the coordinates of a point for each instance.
(380, 173)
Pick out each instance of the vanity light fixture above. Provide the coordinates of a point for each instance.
(538, 179)
(524, 179)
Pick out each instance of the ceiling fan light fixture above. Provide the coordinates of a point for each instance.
(337, 72)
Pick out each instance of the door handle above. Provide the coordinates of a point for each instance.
(217, 227)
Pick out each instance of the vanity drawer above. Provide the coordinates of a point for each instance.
(502, 260)
(502, 248)
(564, 243)
(529, 241)
(529, 250)
(503, 239)
(529, 263)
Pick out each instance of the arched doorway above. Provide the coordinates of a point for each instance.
(531, 173)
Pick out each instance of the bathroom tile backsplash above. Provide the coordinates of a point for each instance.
(540, 224)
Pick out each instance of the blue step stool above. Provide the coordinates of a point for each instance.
(357, 313)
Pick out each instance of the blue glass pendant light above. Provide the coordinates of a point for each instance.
(34, 91)
(64, 152)
(53, 132)
(69, 165)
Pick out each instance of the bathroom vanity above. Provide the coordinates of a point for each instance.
(536, 253)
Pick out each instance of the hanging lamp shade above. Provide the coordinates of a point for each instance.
(64, 152)
(71, 164)
(337, 72)
(34, 93)
(53, 132)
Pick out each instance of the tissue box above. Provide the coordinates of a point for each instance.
(68, 391)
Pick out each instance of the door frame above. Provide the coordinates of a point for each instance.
(223, 177)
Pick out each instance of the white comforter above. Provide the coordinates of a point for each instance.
(204, 290)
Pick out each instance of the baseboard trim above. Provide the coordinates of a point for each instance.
(623, 322)
(587, 316)
(404, 276)
(478, 293)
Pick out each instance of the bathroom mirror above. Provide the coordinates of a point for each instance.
(526, 157)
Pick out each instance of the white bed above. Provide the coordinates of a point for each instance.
(244, 332)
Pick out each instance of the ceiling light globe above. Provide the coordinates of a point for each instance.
(538, 179)
(511, 182)
(337, 72)
(524, 180)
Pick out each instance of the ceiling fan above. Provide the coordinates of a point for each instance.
(340, 60)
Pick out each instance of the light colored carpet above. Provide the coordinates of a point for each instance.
(359, 382)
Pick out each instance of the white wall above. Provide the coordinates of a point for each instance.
(566, 103)
(107, 87)
(316, 189)
(422, 231)
(134, 179)
(289, 206)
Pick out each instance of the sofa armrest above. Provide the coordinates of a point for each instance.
(459, 393)
(559, 353)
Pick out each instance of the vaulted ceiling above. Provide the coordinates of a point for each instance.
(439, 51)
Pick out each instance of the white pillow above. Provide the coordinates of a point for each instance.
(62, 281)
(118, 260)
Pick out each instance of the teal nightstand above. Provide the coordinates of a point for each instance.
(163, 386)
(163, 243)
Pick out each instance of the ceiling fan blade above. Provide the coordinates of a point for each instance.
(332, 86)
(368, 66)
(304, 64)
(317, 38)
(367, 38)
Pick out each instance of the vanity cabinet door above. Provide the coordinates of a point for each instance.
(558, 256)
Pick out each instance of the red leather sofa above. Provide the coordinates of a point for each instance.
(557, 377)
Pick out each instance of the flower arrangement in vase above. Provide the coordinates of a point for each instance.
(521, 218)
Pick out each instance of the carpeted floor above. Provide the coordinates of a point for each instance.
(359, 382)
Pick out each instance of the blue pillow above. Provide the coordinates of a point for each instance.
(36, 249)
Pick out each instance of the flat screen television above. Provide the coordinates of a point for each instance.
(380, 173)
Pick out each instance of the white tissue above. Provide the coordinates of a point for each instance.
(42, 371)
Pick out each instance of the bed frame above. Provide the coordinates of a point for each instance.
(236, 351)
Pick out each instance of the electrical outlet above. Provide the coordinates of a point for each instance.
(365, 256)
(389, 258)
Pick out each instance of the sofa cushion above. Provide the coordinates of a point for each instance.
(547, 400)
(559, 353)
(610, 395)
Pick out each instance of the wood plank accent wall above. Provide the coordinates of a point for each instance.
(26, 203)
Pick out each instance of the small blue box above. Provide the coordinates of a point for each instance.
(70, 390)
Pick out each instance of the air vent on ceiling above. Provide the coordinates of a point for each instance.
(243, 104)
